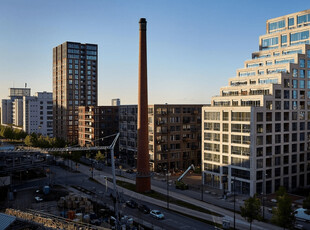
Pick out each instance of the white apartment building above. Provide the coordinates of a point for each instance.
(6, 112)
(38, 114)
(11, 112)
(256, 134)
(17, 112)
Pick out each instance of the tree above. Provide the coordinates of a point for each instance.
(100, 156)
(28, 140)
(306, 204)
(251, 209)
(283, 214)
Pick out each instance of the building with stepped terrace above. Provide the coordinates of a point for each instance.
(256, 134)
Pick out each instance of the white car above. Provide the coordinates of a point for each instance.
(38, 199)
(157, 214)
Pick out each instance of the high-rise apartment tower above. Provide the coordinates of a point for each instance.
(256, 134)
(75, 80)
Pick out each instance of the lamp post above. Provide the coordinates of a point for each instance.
(263, 194)
(167, 177)
(234, 184)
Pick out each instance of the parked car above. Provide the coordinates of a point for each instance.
(157, 214)
(300, 214)
(38, 199)
(130, 171)
(143, 208)
(131, 204)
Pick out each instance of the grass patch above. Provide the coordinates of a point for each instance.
(93, 180)
(201, 220)
(160, 196)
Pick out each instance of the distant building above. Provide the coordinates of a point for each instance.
(75, 79)
(96, 123)
(116, 102)
(33, 113)
(12, 108)
(38, 114)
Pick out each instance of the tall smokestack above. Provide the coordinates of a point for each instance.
(143, 179)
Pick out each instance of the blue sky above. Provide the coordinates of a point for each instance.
(194, 47)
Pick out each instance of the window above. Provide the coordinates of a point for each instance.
(278, 116)
(299, 36)
(286, 116)
(260, 117)
(286, 94)
(277, 138)
(291, 22)
(259, 152)
(284, 39)
(271, 41)
(269, 116)
(278, 94)
(302, 84)
(295, 73)
(286, 105)
(295, 94)
(295, 84)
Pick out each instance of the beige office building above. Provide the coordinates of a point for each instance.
(256, 134)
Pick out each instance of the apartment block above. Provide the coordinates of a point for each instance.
(256, 134)
(75, 80)
(12, 107)
(174, 135)
(38, 113)
(128, 115)
(96, 123)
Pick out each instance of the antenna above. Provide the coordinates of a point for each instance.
(25, 85)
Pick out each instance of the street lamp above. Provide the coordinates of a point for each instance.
(264, 193)
(234, 184)
(167, 175)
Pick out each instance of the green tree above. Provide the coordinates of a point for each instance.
(283, 214)
(306, 204)
(28, 141)
(100, 156)
(8, 133)
(251, 209)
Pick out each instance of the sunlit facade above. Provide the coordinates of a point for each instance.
(257, 132)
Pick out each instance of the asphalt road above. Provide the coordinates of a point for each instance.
(66, 178)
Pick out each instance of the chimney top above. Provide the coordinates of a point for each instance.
(142, 20)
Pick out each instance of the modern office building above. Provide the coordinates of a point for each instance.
(96, 123)
(75, 80)
(38, 113)
(12, 107)
(256, 134)
(174, 135)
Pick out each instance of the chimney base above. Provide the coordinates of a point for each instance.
(143, 184)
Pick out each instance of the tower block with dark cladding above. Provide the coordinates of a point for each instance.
(143, 179)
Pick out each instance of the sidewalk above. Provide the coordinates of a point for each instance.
(240, 222)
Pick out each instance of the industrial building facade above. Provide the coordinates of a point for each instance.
(75, 80)
(256, 134)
